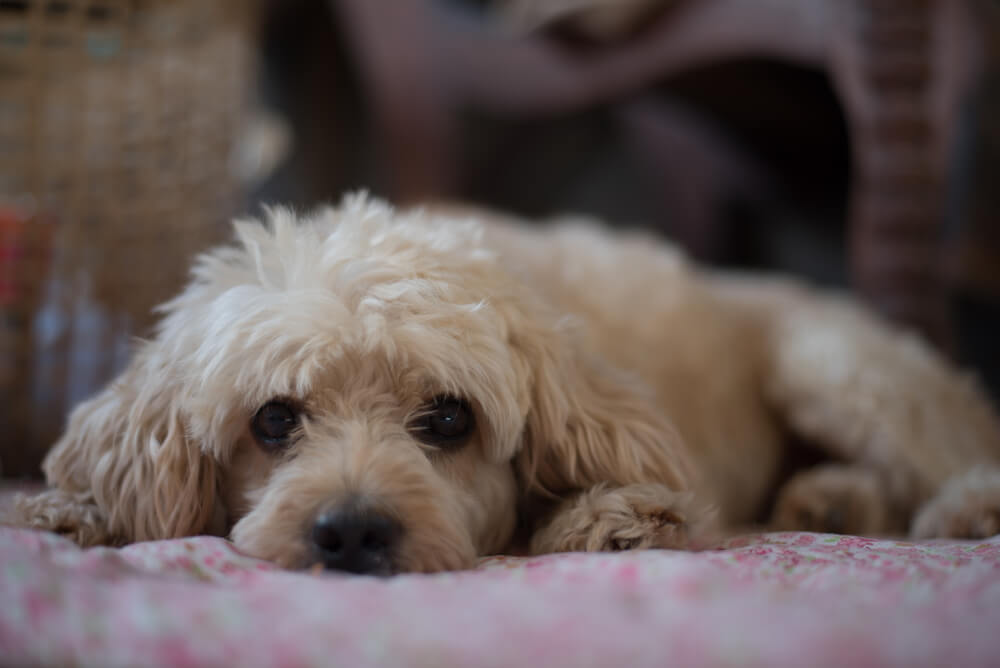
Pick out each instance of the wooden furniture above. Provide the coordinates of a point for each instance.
(900, 68)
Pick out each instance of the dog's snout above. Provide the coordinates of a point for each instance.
(356, 540)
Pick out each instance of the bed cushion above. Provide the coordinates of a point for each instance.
(787, 599)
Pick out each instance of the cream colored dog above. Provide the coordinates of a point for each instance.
(383, 391)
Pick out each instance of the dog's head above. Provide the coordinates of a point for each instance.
(361, 388)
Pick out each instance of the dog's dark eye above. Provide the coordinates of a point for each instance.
(446, 423)
(273, 424)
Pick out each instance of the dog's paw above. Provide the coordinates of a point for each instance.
(834, 499)
(609, 519)
(74, 516)
(967, 507)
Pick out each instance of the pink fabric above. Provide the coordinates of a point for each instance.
(790, 599)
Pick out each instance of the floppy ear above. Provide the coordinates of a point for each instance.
(128, 449)
(590, 423)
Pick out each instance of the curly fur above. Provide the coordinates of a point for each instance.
(619, 393)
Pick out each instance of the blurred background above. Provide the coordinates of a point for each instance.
(852, 142)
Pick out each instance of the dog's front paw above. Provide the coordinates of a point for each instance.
(74, 516)
(608, 519)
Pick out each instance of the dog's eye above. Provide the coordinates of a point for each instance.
(447, 422)
(273, 424)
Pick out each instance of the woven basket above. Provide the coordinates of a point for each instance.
(118, 125)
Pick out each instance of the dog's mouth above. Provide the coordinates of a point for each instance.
(320, 568)
(318, 563)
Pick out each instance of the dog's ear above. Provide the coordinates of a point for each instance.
(128, 448)
(591, 423)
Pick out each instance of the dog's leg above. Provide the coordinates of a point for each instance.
(632, 517)
(877, 398)
(74, 515)
(837, 499)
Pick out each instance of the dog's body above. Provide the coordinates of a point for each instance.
(381, 391)
(738, 362)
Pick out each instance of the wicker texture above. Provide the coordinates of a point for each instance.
(118, 124)
(899, 187)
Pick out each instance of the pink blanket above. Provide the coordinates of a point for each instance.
(771, 600)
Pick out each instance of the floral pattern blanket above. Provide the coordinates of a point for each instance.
(788, 599)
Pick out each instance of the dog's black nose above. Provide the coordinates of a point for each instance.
(356, 540)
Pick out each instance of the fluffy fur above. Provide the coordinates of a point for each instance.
(619, 394)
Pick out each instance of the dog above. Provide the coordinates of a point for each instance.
(381, 391)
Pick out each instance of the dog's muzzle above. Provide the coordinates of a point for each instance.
(356, 539)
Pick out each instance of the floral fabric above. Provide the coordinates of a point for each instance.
(789, 599)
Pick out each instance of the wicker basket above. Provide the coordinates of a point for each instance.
(118, 125)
